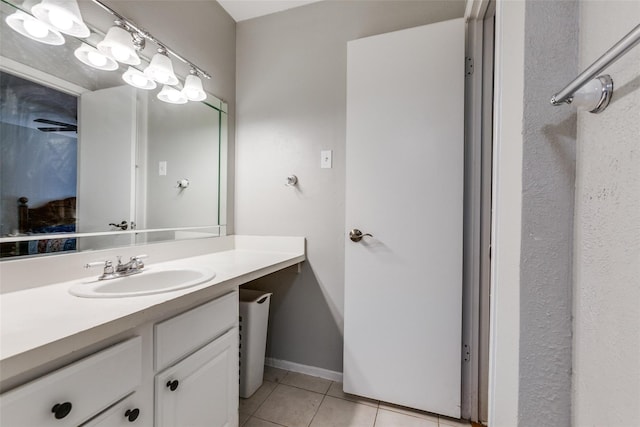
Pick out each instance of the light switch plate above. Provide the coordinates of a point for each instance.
(162, 168)
(325, 159)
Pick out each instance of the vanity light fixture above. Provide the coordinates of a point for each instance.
(94, 58)
(161, 69)
(193, 87)
(34, 29)
(172, 95)
(118, 43)
(136, 78)
(64, 15)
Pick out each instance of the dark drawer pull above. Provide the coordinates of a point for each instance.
(61, 410)
(132, 414)
(172, 385)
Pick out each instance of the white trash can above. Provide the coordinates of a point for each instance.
(254, 318)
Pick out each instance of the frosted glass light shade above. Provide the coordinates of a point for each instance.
(118, 44)
(161, 70)
(34, 29)
(136, 78)
(193, 88)
(64, 15)
(94, 58)
(172, 95)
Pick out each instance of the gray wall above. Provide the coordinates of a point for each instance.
(548, 175)
(183, 136)
(291, 94)
(606, 368)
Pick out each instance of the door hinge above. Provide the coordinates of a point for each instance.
(468, 66)
(466, 353)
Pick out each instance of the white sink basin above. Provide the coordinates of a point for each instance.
(150, 281)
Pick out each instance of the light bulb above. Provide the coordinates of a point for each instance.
(119, 53)
(60, 19)
(139, 80)
(192, 93)
(35, 28)
(90, 56)
(162, 78)
(193, 88)
(96, 58)
(173, 95)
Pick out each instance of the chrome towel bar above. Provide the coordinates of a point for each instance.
(609, 57)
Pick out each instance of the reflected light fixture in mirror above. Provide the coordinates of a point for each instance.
(193, 87)
(64, 15)
(94, 58)
(161, 69)
(34, 29)
(136, 78)
(118, 43)
(172, 95)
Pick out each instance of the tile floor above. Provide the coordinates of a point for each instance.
(291, 399)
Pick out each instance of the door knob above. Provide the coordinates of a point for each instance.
(356, 235)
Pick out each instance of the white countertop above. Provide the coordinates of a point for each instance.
(48, 316)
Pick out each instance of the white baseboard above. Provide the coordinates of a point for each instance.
(303, 369)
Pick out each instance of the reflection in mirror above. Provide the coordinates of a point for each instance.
(111, 165)
(38, 158)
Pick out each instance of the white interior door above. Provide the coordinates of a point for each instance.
(404, 185)
(106, 166)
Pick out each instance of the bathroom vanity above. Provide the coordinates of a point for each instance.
(164, 359)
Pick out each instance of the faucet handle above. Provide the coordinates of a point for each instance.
(107, 273)
(138, 260)
(105, 264)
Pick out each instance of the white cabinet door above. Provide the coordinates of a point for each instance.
(202, 389)
(404, 185)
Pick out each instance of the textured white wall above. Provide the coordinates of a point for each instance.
(548, 182)
(534, 160)
(291, 97)
(606, 363)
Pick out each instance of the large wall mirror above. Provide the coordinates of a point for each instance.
(88, 162)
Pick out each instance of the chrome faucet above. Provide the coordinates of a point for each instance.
(134, 266)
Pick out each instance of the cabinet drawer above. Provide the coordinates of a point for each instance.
(75, 393)
(187, 332)
(127, 413)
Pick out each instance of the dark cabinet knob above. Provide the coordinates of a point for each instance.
(132, 414)
(61, 410)
(172, 385)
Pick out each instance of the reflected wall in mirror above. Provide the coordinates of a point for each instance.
(112, 165)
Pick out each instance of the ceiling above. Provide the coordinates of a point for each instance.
(241, 10)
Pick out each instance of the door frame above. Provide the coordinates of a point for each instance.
(479, 15)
